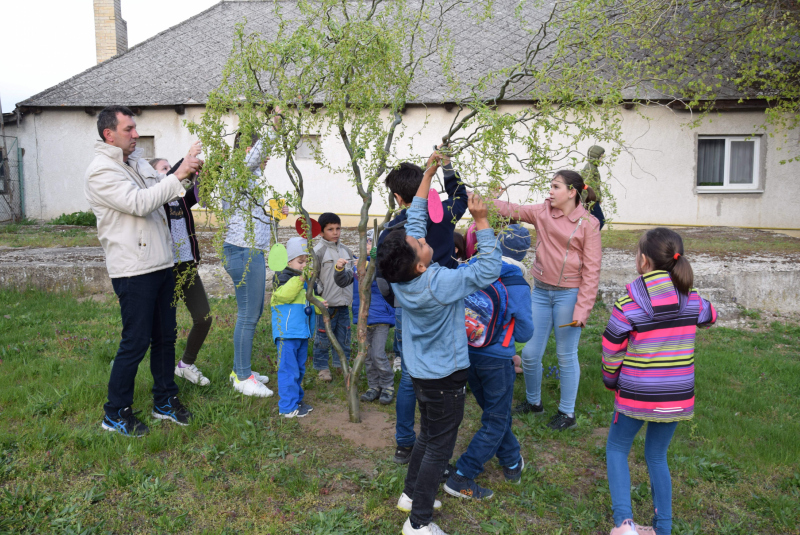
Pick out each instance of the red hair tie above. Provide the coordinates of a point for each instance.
(676, 256)
(585, 186)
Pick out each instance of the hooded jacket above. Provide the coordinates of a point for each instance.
(648, 349)
(568, 249)
(328, 253)
(128, 201)
(288, 306)
(379, 310)
(591, 176)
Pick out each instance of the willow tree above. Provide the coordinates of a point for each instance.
(349, 70)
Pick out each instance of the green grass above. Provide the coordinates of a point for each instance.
(27, 234)
(713, 241)
(240, 468)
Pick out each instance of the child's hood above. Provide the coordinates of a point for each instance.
(661, 290)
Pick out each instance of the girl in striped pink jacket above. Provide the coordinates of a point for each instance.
(648, 361)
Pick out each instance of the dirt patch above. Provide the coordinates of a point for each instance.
(376, 430)
(600, 434)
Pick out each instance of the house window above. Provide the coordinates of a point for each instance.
(148, 146)
(728, 164)
(309, 143)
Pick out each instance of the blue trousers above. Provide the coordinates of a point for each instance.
(406, 404)
(293, 353)
(148, 321)
(492, 382)
(620, 439)
(340, 324)
(248, 272)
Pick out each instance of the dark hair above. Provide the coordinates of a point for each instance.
(237, 139)
(329, 218)
(405, 180)
(108, 118)
(154, 161)
(660, 245)
(396, 258)
(574, 180)
(461, 245)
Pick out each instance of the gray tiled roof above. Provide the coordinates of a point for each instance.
(184, 64)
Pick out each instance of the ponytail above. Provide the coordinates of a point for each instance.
(664, 248)
(574, 180)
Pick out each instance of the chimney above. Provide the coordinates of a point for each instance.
(110, 31)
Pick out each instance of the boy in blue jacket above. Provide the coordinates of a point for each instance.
(491, 378)
(380, 378)
(434, 342)
(292, 326)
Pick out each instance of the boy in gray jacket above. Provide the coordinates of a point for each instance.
(434, 342)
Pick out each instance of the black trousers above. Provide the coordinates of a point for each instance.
(194, 295)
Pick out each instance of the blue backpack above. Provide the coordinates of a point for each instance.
(485, 310)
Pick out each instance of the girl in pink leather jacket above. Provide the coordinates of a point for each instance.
(566, 272)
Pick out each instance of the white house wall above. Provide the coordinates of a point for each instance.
(653, 182)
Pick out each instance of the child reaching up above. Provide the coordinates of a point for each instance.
(292, 326)
(434, 342)
(648, 361)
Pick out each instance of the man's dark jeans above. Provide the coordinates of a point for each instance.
(441, 412)
(492, 383)
(148, 320)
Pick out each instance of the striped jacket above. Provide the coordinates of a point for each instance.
(648, 349)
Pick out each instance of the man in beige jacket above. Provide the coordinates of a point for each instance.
(127, 196)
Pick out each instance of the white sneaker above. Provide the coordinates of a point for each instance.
(192, 374)
(430, 529)
(251, 387)
(396, 365)
(404, 503)
(263, 379)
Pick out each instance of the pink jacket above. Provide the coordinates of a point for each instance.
(568, 249)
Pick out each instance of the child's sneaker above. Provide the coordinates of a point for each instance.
(397, 365)
(173, 411)
(325, 375)
(387, 395)
(626, 528)
(528, 408)
(402, 455)
(125, 423)
(251, 387)
(514, 475)
(561, 421)
(430, 529)
(303, 410)
(371, 394)
(292, 414)
(191, 374)
(449, 469)
(463, 487)
(404, 503)
(306, 407)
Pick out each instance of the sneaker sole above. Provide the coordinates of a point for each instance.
(114, 430)
(402, 460)
(167, 417)
(198, 382)
(518, 479)
(457, 494)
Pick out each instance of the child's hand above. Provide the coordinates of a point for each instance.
(324, 303)
(434, 160)
(341, 263)
(479, 211)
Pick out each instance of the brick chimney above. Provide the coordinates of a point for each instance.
(110, 31)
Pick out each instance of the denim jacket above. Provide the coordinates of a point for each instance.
(434, 338)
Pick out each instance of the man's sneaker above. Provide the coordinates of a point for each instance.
(303, 410)
(125, 423)
(263, 379)
(514, 475)
(430, 529)
(528, 408)
(403, 454)
(325, 375)
(387, 395)
(174, 411)
(397, 365)
(404, 503)
(462, 487)
(306, 407)
(626, 528)
(561, 422)
(191, 374)
(251, 387)
(450, 469)
(371, 394)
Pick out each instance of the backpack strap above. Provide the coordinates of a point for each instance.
(509, 332)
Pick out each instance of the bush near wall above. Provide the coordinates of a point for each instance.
(83, 219)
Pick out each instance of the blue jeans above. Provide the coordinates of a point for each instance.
(340, 324)
(620, 438)
(148, 321)
(293, 353)
(492, 383)
(248, 272)
(551, 309)
(406, 405)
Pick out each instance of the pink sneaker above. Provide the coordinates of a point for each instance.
(626, 528)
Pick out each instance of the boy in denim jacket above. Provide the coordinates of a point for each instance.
(292, 326)
(434, 342)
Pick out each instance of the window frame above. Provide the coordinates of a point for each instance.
(726, 186)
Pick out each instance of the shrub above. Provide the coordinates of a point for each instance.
(83, 219)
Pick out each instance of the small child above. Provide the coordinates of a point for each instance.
(292, 324)
(648, 361)
(434, 351)
(491, 377)
(333, 257)
(380, 378)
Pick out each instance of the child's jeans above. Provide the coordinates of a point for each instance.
(248, 272)
(492, 383)
(620, 438)
(379, 369)
(406, 404)
(340, 324)
(552, 308)
(293, 353)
